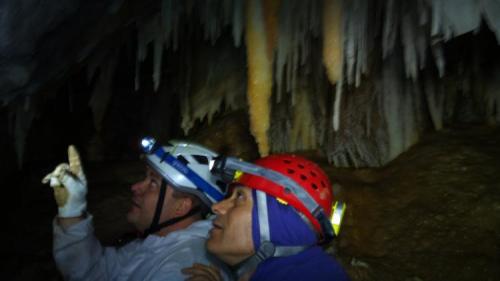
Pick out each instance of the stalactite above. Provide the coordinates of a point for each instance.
(409, 37)
(158, 56)
(211, 19)
(437, 52)
(435, 97)
(167, 27)
(491, 13)
(303, 133)
(21, 117)
(215, 77)
(259, 75)
(349, 35)
(357, 38)
(458, 17)
(270, 10)
(336, 105)
(390, 103)
(422, 28)
(354, 146)
(412, 111)
(390, 27)
(295, 34)
(101, 95)
(238, 20)
(280, 127)
(414, 37)
(162, 31)
(332, 39)
(147, 32)
(400, 103)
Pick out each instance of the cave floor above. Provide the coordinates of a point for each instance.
(431, 214)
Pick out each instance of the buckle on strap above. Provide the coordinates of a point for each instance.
(266, 250)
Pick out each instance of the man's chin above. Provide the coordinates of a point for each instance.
(134, 221)
(131, 217)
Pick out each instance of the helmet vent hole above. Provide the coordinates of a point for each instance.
(286, 161)
(302, 177)
(323, 184)
(182, 160)
(300, 166)
(290, 171)
(201, 159)
(314, 186)
(313, 174)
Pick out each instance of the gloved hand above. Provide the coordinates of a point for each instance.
(70, 186)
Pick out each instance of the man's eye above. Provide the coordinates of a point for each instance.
(153, 183)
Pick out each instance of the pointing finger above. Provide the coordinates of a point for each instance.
(75, 164)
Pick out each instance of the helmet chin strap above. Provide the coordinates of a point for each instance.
(267, 249)
(155, 224)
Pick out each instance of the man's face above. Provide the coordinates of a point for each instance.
(144, 199)
(231, 236)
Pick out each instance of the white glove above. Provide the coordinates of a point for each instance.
(70, 186)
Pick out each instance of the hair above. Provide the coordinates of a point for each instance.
(204, 209)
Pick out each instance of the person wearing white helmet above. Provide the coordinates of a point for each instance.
(168, 207)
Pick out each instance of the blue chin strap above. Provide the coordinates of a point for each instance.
(267, 249)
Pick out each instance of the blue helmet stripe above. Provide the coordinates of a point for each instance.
(198, 181)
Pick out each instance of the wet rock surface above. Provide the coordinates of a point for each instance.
(432, 214)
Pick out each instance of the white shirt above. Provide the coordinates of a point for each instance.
(80, 256)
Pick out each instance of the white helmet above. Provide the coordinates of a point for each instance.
(185, 166)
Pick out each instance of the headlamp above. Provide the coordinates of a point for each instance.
(148, 145)
(338, 211)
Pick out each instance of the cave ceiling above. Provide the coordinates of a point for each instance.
(359, 80)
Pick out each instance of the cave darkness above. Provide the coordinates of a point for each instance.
(414, 153)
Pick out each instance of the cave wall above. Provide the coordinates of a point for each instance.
(359, 81)
(179, 69)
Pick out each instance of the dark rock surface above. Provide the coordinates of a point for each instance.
(432, 214)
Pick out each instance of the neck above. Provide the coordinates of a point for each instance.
(183, 224)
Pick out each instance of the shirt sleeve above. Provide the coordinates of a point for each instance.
(80, 256)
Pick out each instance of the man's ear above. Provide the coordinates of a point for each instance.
(183, 206)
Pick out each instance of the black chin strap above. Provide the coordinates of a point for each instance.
(155, 225)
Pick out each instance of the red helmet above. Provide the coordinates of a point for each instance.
(305, 173)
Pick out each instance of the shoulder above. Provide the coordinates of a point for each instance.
(184, 246)
(312, 264)
(199, 228)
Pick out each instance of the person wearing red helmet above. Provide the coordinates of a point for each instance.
(269, 228)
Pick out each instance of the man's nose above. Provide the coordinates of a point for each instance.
(221, 207)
